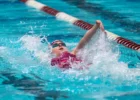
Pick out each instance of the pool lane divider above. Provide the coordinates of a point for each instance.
(80, 23)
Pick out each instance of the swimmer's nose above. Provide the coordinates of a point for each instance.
(60, 44)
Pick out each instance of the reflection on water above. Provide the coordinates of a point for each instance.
(30, 85)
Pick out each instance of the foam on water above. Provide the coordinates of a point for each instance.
(98, 51)
(103, 73)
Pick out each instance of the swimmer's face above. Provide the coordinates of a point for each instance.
(58, 47)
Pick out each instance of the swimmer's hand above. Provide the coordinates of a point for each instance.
(88, 36)
(98, 22)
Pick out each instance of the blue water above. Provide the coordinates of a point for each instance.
(25, 71)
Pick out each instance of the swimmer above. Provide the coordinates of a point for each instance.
(63, 57)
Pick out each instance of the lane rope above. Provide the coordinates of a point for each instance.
(84, 25)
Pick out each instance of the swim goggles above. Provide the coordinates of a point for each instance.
(58, 44)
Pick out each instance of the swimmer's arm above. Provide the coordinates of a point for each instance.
(88, 36)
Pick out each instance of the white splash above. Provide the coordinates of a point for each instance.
(98, 52)
(33, 44)
(104, 61)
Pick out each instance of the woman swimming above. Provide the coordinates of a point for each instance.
(64, 58)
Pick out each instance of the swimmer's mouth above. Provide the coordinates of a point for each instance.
(61, 48)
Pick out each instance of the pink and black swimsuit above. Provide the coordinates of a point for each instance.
(65, 60)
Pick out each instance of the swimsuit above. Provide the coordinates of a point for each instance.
(65, 60)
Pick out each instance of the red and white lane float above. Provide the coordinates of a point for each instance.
(80, 23)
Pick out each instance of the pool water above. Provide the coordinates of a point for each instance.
(25, 70)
